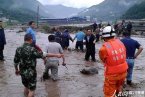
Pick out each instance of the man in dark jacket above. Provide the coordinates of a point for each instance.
(95, 26)
(58, 36)
(90, 46)
(65, 39)
(2, 41)
(129, 27)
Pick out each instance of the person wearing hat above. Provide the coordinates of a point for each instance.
(113, 56)
(25, 64)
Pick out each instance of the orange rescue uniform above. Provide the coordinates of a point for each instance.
(113, 55)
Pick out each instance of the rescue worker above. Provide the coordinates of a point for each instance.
(113, 56)
(25, 64)
(131, 47)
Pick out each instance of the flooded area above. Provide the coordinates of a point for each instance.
(72, 83)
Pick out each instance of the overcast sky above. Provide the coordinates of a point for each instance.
(72, 3)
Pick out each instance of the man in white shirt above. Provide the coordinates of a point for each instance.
(52, 63)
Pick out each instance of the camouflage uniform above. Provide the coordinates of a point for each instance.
(25, 58)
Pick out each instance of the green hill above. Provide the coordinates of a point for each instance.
(21, 10)
(21, 15)
(135, 12)
(109, 9)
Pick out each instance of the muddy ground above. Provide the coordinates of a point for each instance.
(71, 83)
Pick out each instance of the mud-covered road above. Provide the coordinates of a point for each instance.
(71, 83)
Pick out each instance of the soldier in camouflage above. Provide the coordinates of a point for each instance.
(25, 59)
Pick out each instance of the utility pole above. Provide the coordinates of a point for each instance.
(38, 16)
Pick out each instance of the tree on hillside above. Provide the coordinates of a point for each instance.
(135, 12)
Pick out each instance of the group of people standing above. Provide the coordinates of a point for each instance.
(123, 27)
(117, 56)
(82, 39)
(26, 55)
(62, 38)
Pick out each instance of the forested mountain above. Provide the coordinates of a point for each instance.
(135, 12)
(60, 11)
(22, 10)
(109, 9)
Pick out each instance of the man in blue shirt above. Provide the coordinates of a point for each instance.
(58, 36)
(80, 37)
(31, 31)
(2, 41)
(131, 46)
